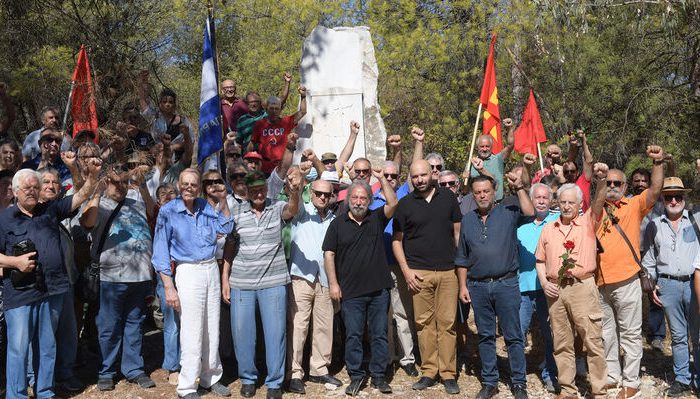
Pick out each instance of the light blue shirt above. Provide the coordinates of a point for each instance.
(495, 164)
(308, 232)
(528, 236)
(187, 237)
(671, 252)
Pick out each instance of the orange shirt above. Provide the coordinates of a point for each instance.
(550, 247)
(616, 261)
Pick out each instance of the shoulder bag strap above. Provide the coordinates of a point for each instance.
(695, 225)
(624, 237)
(105, 231)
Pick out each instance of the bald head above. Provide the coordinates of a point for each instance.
(228, 89)
(421, 175)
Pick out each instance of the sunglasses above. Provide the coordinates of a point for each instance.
(616, 183)
(448, 183)
(362, 171)
(436, 167)
(209, 182)
(671, 197)
(322, 194)
(328, 161)
(233, 155)
(56, 140)
(394, 176)
(234, 176)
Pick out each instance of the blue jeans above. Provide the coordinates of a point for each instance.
(371, 309)
(273, 312)
(120, 327)
(681, 309)
(38, 319)
(498, 299)
(656, 323)
(535, 301)
(171, 330)
(66, 339)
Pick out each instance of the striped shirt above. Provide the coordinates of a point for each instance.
(260, 261)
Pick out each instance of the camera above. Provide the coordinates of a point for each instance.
(33, 279)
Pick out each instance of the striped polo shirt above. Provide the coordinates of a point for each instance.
(260, 261)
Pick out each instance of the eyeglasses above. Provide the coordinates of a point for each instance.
(616, 183)
(671, 197)
(209, 182)
(394, 176)
(322, 194)
(448, 183)
(362, 171)
(29, 189)
(233, 155)
(229, 88)
(234, 176)
(437, 167)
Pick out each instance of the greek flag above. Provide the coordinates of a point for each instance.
(210, 139)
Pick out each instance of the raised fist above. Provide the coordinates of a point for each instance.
(507, 122)
(302, 90)
(655, 152)
(558, 169)
(529, 159)
(514, 180)
(394, 141)
(309, 154)
(377, 173)
(287, 77)
(697, 165)
(231, 136)
(354, 127)
(478, 163)
(417, 133)
(600, 170)
(573, 138)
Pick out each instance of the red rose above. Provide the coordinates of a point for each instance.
(569, 245)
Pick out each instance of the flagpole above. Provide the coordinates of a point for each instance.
(65, 114)
(471, 149)
(539, 154)
(215, 54)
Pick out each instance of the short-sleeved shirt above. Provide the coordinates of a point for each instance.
(260, 261)
(528, 236)
(271, 139)
(428, 229)
(490, 249)
(495, 164)
(231, 113)
(308, 232)
(616, 261)
(128, 246)
(42, 229)
(550, 247)
(360, 262)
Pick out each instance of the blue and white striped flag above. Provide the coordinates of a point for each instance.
(210, 139)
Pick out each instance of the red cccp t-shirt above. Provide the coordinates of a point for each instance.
(271, 139)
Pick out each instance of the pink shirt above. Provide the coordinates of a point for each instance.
(550, 247)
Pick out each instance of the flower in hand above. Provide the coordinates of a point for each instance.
(568, 263)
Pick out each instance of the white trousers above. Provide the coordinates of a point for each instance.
(199, 290)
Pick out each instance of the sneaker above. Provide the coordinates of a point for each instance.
(677, 389)
(72, 385)
(218, 389)
(658, 344)
(627, 393)
(296, 385)
(380, 384)
(423, 383)
(143, 381)
(451, 386)
(410, 369)
(105, 384)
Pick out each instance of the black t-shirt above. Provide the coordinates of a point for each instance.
(360, 260)
(428, 229)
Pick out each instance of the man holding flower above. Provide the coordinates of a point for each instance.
(566, 262)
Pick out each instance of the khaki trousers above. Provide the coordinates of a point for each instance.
(578, 310)
(435, 307)
(308, 300)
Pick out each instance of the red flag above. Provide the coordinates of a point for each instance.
(489, 101)
(531, 131)
(83, 107)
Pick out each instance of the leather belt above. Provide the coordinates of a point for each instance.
(677, 278)
(492, 279)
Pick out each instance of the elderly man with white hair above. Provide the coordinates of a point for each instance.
(566, 263)
(36, 281)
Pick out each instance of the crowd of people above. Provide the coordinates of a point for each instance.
(336, 252)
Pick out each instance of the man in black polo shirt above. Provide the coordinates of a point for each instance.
(488, 250)
(426, 228)
(358, 277)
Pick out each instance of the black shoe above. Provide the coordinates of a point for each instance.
(105, 384)
(296, 386)
(273, 393)
(519, 392)
(423, 383)
(381, 384)
(677, 389)
(71, 385)
(410, 369)
(143, 380)
(191, 395)
(354, 388)
(248, 390)
(487, 392)
(325, 379)
(451, 386)
(218, 389)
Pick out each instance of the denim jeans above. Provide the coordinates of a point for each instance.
(66, 339)
(371, 309)
(681, 309)
(273, 313)
(171, 330)
(535, 302)
(38, 319)
(491, 299)
(120, 327)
